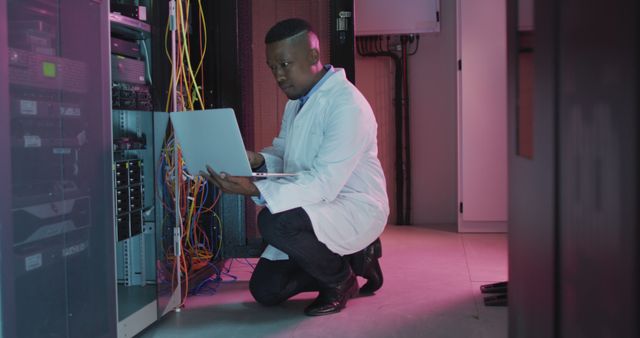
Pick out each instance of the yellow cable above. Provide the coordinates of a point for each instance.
(183, 72)
(184, 51)
(195, 241)
(189, 67)
(166, 37)
(203, 52)
(204, 31)
(187, 86)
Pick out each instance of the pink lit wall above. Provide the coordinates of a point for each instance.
(432, 76)
(375, 79)
(433, 94)
(433, 72)
(458, 125)
(269, 100)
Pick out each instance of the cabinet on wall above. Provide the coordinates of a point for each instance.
(375, 17)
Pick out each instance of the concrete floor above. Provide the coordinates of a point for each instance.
(431, 289)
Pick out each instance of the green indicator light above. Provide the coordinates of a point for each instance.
(49, 69)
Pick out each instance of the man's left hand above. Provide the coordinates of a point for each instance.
(231, 184)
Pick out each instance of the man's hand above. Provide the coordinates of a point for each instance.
(255, 159)
(231, 184)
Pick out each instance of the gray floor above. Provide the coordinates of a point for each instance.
(133, 298)
(431, 289)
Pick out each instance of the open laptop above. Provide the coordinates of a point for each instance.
(212, 137)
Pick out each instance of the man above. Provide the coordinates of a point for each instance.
(317, 222)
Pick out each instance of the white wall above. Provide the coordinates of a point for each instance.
(434, 123)
(433, 109)
(433, 73)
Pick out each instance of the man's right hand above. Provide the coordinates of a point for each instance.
(255, 159)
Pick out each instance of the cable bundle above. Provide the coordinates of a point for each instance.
(190, 93)
(201, 237)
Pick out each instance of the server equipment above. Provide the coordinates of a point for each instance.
(129, 192)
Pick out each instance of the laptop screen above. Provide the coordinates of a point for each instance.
(211, 137)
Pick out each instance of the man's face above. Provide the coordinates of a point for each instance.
(291, 62)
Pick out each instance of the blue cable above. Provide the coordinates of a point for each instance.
(217, 280)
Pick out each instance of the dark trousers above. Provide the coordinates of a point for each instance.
(311, 264)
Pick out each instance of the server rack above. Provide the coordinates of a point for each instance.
(148, 282)
(56, 218)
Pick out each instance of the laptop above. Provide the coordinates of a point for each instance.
(212, 137)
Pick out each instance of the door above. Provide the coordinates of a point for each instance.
(532, 175)
(482, 116)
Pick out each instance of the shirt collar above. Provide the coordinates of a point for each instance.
(330, 70)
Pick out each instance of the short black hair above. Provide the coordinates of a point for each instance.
(286, 29)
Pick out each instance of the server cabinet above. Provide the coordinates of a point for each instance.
(4, 169)
(57, 252)
(147, 256)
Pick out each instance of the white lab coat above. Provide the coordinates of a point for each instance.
(331, 142)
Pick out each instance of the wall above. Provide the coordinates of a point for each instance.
(433, 105)
(375, 79)
(269, 101)
(433, 95)
(432, 85)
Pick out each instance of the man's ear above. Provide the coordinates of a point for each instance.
(314, 56)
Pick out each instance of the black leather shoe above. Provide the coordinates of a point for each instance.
(334, 298)
(367, 266)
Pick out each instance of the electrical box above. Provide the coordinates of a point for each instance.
(379, 17)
